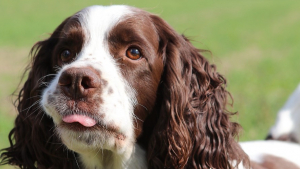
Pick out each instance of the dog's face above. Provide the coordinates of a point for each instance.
(109, 72)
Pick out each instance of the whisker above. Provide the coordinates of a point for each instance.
(138, 118)
(41, 117)
(75, 159)
(33, 97)
(143, 106)
(98, 152)
(42, 78)
(31, 105)
(36, 109)
(57, 68)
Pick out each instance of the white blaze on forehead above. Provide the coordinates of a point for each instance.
(97, 22)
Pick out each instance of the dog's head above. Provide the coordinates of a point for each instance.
(112, 77)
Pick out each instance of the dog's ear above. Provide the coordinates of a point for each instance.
(193, 128)
(33, 143)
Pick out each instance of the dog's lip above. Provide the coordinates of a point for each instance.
(99, 126)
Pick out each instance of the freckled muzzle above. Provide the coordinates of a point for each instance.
(80, 85)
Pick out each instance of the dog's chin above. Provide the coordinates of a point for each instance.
(86, 140)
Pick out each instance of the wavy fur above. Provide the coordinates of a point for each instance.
(33, 143)
(193, 129)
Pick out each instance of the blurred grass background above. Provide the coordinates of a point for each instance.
(256, 45)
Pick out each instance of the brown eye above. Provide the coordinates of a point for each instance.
(133, 53)
(65, 56)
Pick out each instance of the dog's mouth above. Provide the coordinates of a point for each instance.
(83, 123)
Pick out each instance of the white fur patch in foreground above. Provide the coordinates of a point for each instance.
(257, 149)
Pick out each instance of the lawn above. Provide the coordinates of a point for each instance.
(256, 45)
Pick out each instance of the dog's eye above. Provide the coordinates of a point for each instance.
(65, 56)
(133, 53)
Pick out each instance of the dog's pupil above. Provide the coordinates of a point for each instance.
(135, 52)
(66, 54)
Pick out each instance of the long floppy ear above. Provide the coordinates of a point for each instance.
(193, 128)
(33, 143)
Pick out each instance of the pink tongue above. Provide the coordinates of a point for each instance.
(84, 120)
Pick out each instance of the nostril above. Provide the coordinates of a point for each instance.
(65, 80)
(86, 83)
(90, 81)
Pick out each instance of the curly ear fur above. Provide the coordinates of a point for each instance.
(33, 145)
(193, 128)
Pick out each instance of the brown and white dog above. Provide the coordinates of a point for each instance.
(121, 89)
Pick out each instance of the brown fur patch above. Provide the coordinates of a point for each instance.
(286, 137)
(143, 74)
(272, 162)
(70, 38)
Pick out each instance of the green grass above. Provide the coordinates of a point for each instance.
(254, 44)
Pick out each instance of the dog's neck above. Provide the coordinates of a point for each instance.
(134, 158)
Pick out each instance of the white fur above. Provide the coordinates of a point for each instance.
(104, 160)
(288, 118)
(257, 149)
(118, 106)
